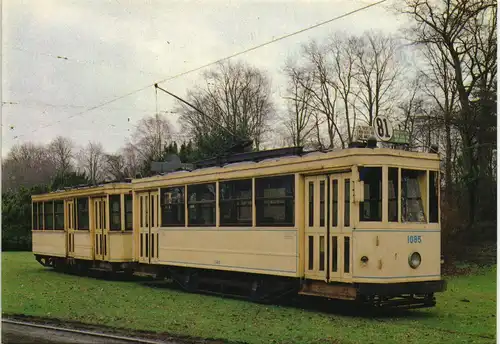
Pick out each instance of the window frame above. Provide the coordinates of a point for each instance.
(35, 225)
(235, 202)
(41, 218)
(288, 199)
(113, 199)
(378, 200)
(61, 214)
(396, 199)
(433, 211)
(200, 203)
(182, 204)
(81, 215)
(46, 215)
(423, 195)
(131, 212)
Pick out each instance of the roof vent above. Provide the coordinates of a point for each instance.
(434, 148)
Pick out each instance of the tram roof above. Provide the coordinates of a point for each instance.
(86, 189)
(357, 155)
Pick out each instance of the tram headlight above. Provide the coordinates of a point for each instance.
(414, 260)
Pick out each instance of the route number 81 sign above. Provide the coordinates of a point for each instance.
(382, 128)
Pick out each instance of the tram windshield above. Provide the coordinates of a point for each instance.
(412, 209)
(407, 193)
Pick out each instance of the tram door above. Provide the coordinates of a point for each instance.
(101, 229)
(340, 239)
(328, 227)
(70, 227)
(148, 233)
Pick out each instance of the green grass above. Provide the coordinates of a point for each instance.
(30, 289)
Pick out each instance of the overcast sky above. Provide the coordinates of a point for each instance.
(111, 48)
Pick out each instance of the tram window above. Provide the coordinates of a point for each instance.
(322, 203)
(321, 253)
(334, 254)
(83, 213)
(172, 206)
(335, 201)
(96, 217)
(393, 195)
(311, 252)
(59, 214)
(311, 204)
(103, 213)
(75, 215)
(40, 216)
(347, 202)
(275, 201)
(347, 254)
(371, 207)
(235, 203)
(48, 211)
(154, 208)
(115, 212)
(412, 209)
(433, 196)
(141, 211)
(201, 205)
(142, 245)
(128, 213)
(35, 216)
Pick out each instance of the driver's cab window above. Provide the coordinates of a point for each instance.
(371, 207)
(413, 195)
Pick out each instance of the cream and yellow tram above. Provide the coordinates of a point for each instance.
(84, 227)
(357, 224)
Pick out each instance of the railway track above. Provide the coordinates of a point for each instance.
(14, 331)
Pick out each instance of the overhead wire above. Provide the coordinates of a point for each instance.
(40, 104)
(274, 40)
(72, 59)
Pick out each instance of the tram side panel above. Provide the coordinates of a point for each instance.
(48, 235)
(49, 243)
(386, 256)
(121, 246)
(82, 247)
(273, 252)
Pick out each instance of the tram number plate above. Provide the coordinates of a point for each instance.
(414, 239)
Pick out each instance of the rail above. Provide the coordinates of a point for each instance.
(82, 332)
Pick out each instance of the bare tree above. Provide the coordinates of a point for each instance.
(61, 151)
(27, 165)
(464, 33)
(237, 97)
(344, 50)
(377, 71)
(114, 166)
(323, 90)
(345, 77)
(439, 85)
(132, 163)
(298, 121)
(410, 107)
(92, 159)
(151, 136)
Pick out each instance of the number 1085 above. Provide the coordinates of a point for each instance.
(414, 239)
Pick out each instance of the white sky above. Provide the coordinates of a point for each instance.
(117, 46)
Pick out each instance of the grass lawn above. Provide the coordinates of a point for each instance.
(466, 313)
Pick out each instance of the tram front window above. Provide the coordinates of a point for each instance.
(412, 205)
(371, 207)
